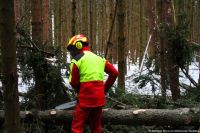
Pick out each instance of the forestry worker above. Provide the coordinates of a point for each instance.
(87, 78)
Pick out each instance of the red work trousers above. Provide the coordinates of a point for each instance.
(94, 115)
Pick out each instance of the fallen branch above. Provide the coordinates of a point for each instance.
(189, 77)
(33, 48)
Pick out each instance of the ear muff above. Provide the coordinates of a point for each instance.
(79, 45)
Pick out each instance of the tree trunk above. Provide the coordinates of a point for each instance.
(51, 13)
(36, 21)
(173, 69)
(133, 117)
(9, 66)
(94, 27)
(141, 44)
(46, 21)
(17, 10)
(137, 31)
(151, 27)
(121, 43)
(184, 116)
(84, 22)
(162, 51)
(57, 21)
(100, 27)
(73, 21)
(132, 34)
(90, 22)
(37, 37)
(198, 37)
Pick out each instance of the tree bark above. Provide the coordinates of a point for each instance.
(17, 10)
(84, 17)
(151, 27)
(36, 21)
(73, 21)
(173, 69)
(94, 27)
(37, 37)
(148, 117)
(162, 54)
(121, 43)
(46, 21)
(141, 44)
(9, 66)
(57, 21)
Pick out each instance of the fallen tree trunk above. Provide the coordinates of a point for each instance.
(182, 116)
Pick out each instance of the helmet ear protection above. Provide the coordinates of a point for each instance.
(77, 42)
(79, 45)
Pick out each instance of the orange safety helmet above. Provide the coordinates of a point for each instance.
(77, 42)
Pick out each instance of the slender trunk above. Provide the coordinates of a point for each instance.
(141, 44)
(94, 27)
(162, 52)
(198, 41)
(131, 34)
(17, 11)
(46, 21)
(121, 44)
(137, 32)
(101, 28)
(57, 21)
(37, 38)
(84, 17)
(51, 13)
(73, 23)
(151, 27)
(90, 27)
(173, 69)
(36, 21)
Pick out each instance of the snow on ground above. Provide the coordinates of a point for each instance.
(133, 71)
(131, 86)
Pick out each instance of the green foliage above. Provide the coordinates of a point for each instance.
(144, 80)
(192, 95)
(34, 66)
(179, 44)
(135, 100)
(151, 75)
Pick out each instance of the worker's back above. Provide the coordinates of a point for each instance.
(91, 71)
(91, 67)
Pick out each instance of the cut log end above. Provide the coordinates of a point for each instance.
(135, 112)
(53, 112)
